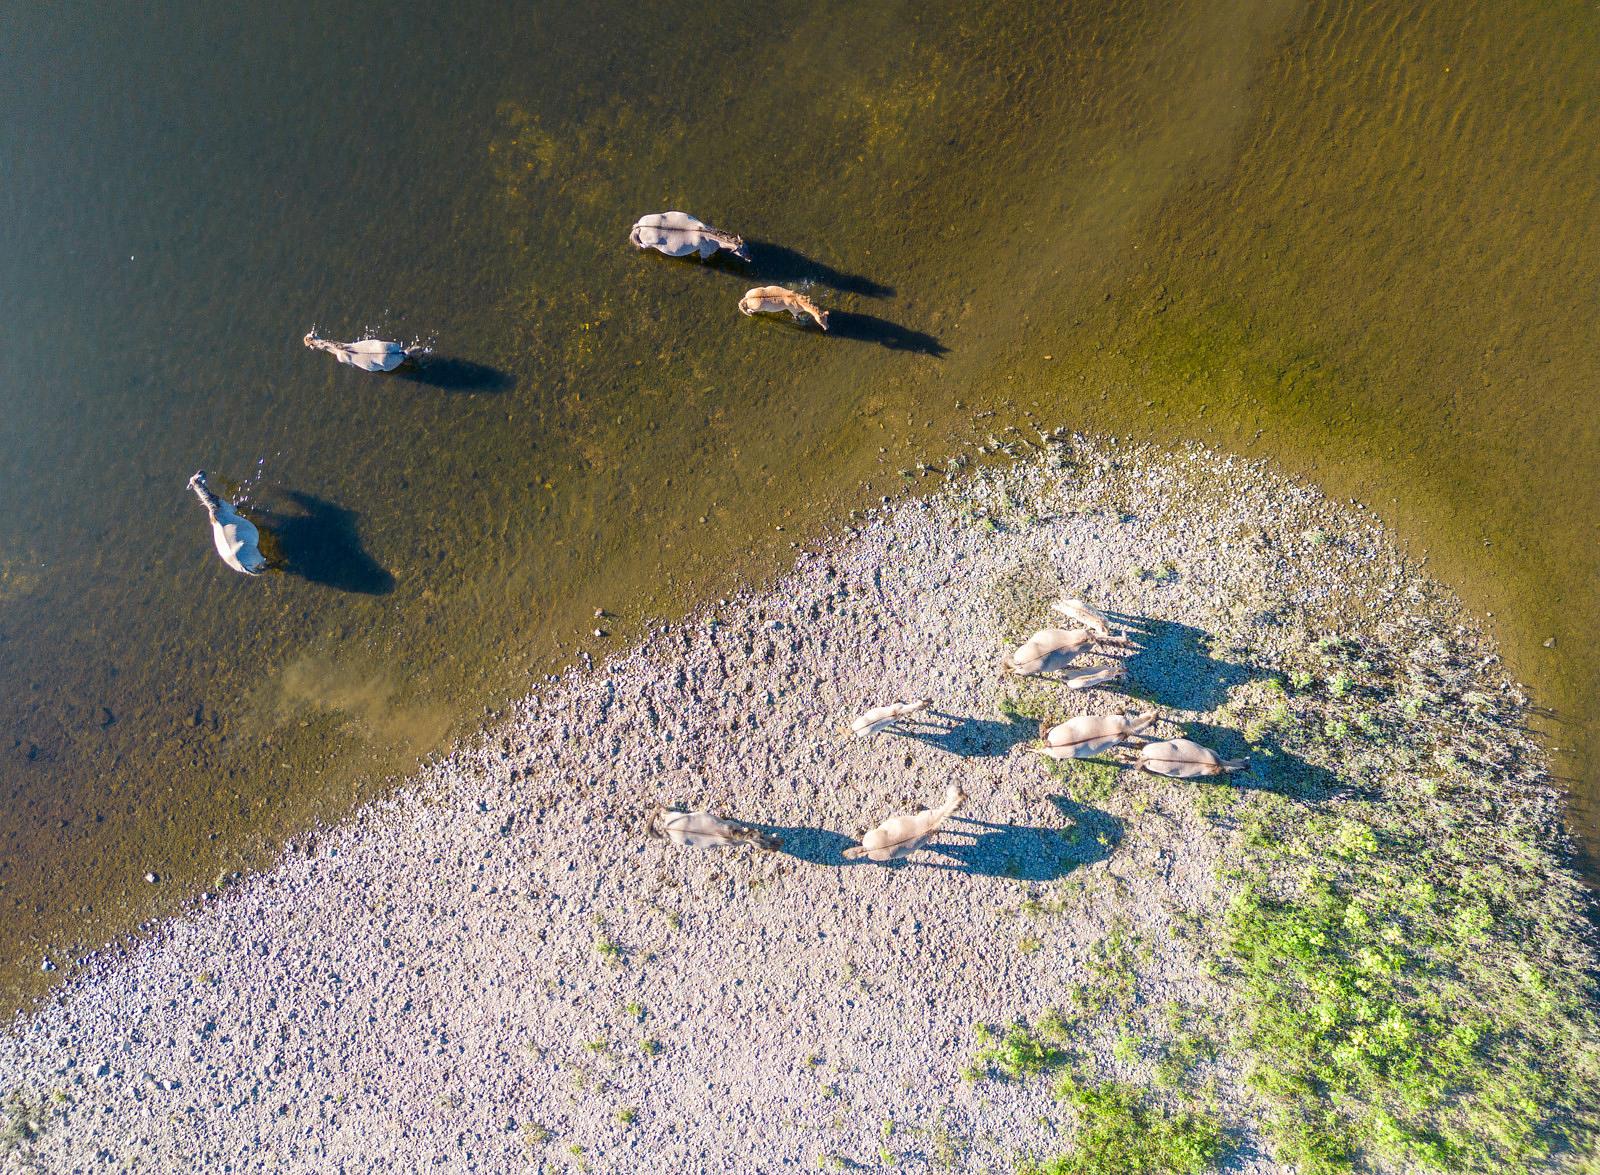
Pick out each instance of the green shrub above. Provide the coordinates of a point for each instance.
(1120, 1132)
(1020, 1053)
(1393, 1019)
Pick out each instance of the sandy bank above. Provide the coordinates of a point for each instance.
(496, 969)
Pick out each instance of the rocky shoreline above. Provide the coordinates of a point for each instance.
(495, 969)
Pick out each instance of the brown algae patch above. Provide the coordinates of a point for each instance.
(1368, 953)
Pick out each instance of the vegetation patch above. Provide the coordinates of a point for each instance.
(1411, 1003)
(1121, 1131)
(1411, 962)
(1408, 970)
(22, 1119)
(1087, 781)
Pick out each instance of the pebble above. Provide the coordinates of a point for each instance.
(152, 878)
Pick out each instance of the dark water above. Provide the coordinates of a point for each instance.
(1364, 241)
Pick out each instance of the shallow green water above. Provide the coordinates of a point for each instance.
(1364, 242)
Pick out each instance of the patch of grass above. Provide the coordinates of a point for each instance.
(1113, 975)
(21, 1121)
(650, 1046)
(1275, 718)
(1121, 1131)
(627, 1115)
(609, 951)
(1023, 700)
(1414, 1007)
(1022, 1050)
(1087, 781)
(1181, 1053)
(633, 1010)
(1213, 799)
(1036, 906)
(945, 1147)
(1018, 1053)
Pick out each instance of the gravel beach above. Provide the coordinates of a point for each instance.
(496, 970)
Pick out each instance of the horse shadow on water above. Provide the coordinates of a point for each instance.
(774, 264)
(982, 848)
(862, 328)
(455, 375)
(868, 328)
(318, 542)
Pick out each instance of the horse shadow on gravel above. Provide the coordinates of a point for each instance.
(819, 846)
(1172, 668)
(983, 848)
(1272, 767)
(970, 738)
(1026, 852)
